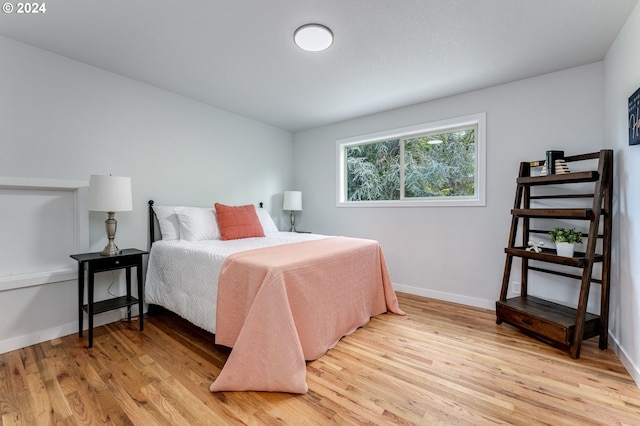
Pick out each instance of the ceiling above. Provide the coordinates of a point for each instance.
(239, 55)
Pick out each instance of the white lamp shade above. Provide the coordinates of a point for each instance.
(292, 200)
(110, 194)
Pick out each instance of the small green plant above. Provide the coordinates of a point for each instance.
(565, 235)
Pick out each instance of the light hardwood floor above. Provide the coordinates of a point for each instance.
(442, 363)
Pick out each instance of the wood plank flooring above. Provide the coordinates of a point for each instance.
(442, 363)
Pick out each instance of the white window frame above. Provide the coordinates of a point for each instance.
(477, 200)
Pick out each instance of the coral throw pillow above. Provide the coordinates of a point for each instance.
(237, 222)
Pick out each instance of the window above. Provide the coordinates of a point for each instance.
(440, 163)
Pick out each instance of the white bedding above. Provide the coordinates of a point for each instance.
(182, 276)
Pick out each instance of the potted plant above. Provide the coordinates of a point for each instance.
(565, 240)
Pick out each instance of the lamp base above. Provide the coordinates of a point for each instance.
(110, 249)
(293, 222)
(111, 224)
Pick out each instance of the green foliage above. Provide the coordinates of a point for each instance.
(373, 171)
(445, 169)
(565, 235)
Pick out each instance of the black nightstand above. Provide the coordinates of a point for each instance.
(94, 262)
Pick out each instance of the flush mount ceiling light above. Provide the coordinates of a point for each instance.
(313, 37)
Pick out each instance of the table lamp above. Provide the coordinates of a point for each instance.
(110, 194)
(292, 202)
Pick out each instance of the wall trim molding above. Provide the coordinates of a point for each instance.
(79, 189)
(447, 297)
(40, 336)
(626, 361)
(41, 183)
(13, 282)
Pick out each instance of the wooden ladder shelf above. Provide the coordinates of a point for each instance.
(554, 323)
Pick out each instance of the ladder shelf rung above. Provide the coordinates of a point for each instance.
(562, 274)
(549, 255)
(559, 196)
(574, 177)
(547, 231)
(586, 214)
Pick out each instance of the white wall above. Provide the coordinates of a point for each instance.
(60, 119)
(622, 78)
(457, 253)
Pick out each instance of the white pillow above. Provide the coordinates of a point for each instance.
(197, 223)
(268, 226)
(168, 222)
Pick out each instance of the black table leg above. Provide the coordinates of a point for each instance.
(128, 273)
(90, 305)
(140, 295)
(80, 295)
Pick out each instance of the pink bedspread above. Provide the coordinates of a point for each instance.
(282, 305)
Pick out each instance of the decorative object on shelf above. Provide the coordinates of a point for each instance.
(292, 202)
(634, 118)
(541, 164)
(561, 167)
(550, 164)
(565, 240)
(110, 194)
(533, 246)
(565, 235)
(565, 249)
(554, 164)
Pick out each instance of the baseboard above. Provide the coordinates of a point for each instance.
(633, 369)
(448, 297)
(40, 336)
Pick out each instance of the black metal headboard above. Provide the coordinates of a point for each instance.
(152, 224)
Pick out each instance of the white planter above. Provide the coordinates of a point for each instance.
(565, 249)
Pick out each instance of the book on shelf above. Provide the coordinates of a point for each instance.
(552, 157)
(560, 168)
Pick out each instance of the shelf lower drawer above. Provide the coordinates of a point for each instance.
(547, 320)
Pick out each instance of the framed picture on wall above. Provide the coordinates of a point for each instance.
(634, 118)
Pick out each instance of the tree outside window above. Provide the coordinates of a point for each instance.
(442, 164)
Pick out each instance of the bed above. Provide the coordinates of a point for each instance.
(278, 299)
